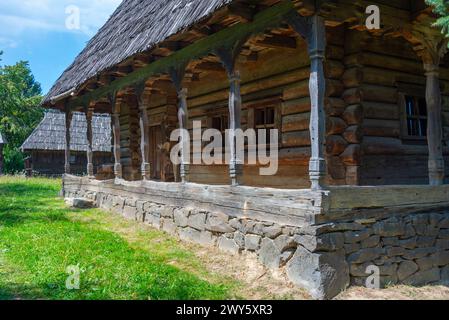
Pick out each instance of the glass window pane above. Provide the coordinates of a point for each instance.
(423, 127)
(260, 117)
(412, 127)
(422, 107)
(270, 116)
(409, 108)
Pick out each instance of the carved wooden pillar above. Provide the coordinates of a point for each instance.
(317, 87)
(89, 153)
(228, 57)
(177, 75)
(144, 132)
(431, 48)
(184, 167)
(68, 123)
(235, 107)
(314, 31)
(434, 124)
(118, 172)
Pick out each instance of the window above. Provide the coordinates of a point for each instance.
(264, 119)
(220, 122)
(414, 117)
(72, 159)
(265, 114)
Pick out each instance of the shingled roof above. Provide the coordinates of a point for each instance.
(50, 133)
(134, 27)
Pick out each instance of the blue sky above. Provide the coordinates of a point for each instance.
(46, 32)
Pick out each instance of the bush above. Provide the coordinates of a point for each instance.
(12, 160)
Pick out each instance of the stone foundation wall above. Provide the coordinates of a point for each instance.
(325, 258)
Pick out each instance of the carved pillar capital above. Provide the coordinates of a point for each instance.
(431, 69)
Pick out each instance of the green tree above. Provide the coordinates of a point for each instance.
(20, 97)
(441, 8)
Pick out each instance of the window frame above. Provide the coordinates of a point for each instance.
(223, 113)
(416, 92)
(276, 104)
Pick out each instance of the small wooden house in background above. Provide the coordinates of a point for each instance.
(46, 144)
(2, 143)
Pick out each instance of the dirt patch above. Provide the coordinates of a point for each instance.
(257, 282)
(396, 293)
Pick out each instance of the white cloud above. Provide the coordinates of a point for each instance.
(8, 43)
(17, 17)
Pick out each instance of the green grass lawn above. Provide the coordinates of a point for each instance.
(40, 237)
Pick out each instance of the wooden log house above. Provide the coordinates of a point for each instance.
(363, 117)
(46, 145)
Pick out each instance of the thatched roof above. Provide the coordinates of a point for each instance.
(135, 26)
(50, 133)
(2, 140)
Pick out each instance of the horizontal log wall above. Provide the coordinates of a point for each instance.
(364, 144)
(390, 67)
(278, 74)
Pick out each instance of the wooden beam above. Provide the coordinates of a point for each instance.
(278, 41)
(243, 11)
(209, 66)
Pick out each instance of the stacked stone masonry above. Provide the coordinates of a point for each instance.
(324, 259)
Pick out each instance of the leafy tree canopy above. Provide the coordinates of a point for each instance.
(20, 96)
(441, 7)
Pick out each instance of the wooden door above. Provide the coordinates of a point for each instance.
(156, 142)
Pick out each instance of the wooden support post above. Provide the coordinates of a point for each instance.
(116, 132)
(314, 31)
(144, 132)
(184, 168)
(228, 57)
(68, 123)
(89, 153)
(317, 87)
(177, 75)
(431, 48)
(235, 107)
(434, 125)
